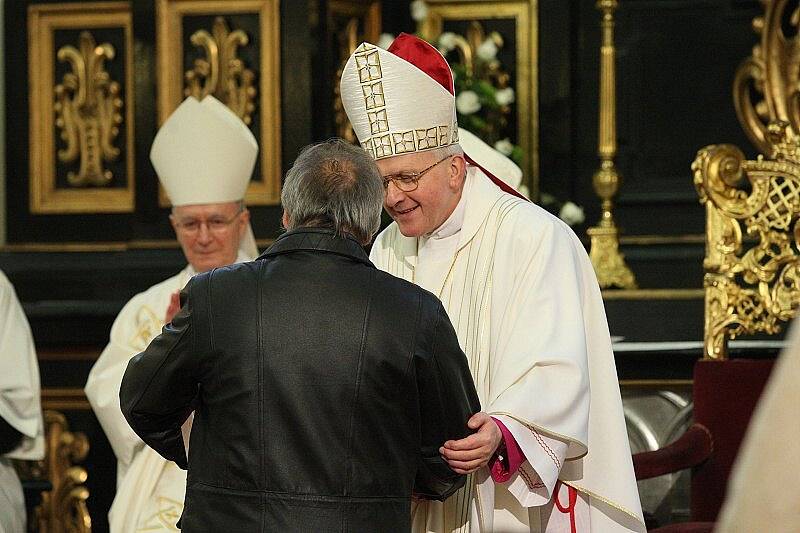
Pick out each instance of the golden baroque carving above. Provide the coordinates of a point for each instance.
(63, 509)
(88, 111)
(221, 73)
(752, 281)
(770, 74)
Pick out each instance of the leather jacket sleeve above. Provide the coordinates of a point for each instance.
(159, 386)
(447, 400)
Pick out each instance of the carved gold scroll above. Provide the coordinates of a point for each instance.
(221, 72)
(81, 108)
(752, 281)
(63, 508)
(766, 87)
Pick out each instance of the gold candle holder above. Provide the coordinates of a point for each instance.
(609, 263)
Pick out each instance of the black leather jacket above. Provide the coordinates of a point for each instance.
(322, 390)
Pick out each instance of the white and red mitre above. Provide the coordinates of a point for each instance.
(204, 154)
(400, 100)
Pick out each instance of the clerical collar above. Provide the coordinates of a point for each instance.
(455, 221)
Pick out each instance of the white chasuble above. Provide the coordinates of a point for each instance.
(150, 489)
(525, 304)
(20, 404)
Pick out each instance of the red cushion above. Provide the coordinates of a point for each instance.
(725, 394)
(691, 449)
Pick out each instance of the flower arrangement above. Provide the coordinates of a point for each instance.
(484, 100)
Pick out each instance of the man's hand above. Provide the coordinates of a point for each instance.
(174, 306)
(467, 455)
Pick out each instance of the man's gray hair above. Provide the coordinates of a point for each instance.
(337, 185)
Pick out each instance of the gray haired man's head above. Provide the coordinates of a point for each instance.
(335, 185)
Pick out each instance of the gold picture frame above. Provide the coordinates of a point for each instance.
(46, 197)
(524, 12)
(170, 74)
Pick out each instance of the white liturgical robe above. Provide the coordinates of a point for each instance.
(150, 489)
(525, 303)
(20, 404)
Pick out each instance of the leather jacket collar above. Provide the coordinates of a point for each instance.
(317, 240)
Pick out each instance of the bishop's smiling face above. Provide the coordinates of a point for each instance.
(421, 211)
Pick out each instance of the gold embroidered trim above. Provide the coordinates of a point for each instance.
(444, 135)
(386, 143)
(404, 142)
(378, 121)
(370, 75)
(373, 95)
(148, 326)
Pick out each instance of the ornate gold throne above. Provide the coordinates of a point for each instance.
(752, 280)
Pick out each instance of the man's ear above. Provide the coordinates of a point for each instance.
(458, 172)
(285, 219)
(244, 220)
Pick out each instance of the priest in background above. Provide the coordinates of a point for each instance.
(21, 426)
(551, 451)
(204, 157)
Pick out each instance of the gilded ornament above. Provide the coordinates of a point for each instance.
(221, 72)
(63, 508)
(752, 281)
(770, 73)
(88, 111)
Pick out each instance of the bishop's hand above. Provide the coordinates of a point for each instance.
(469, 454)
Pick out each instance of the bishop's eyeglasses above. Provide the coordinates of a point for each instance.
(215, 224)
(409, 181)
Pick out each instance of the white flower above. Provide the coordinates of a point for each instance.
(385, 40)
(419, 10)
(467, 102)
(504, 96)
(447, 41)
(487, 50)
(571, 214)
(504, 146)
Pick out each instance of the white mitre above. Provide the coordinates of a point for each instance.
(204, 154)
(402, 100)
(394, 106)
